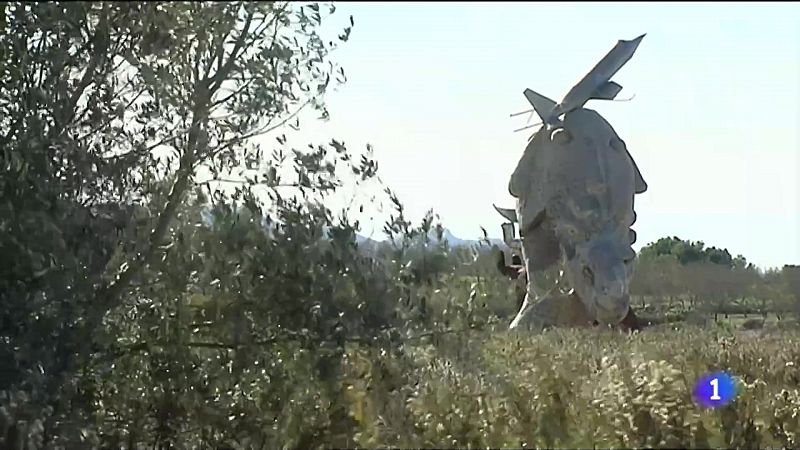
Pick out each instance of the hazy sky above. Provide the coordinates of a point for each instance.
(713, 125)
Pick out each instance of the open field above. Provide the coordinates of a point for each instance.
(580, 389)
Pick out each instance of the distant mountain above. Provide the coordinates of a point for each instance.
(365, 240)
(454, 241)
(447, 236)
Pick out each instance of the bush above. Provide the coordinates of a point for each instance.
(753, 324)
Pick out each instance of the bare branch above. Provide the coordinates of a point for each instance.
(263, 130)
(100, 40)
(233, 94)
(264, 183)
(223, 72)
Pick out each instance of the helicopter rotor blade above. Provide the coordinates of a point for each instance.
(528, 126)
(521, 113)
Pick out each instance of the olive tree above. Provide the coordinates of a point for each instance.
(110, 114)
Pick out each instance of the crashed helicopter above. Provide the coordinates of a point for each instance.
(574, 188)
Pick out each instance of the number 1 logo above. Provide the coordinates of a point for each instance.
(715, 390)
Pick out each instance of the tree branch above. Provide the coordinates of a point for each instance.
(261, 131)
(227, 180)
(223, 72)
(289, 336)
(100, 40)
(111, 119)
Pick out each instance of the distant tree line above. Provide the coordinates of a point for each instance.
(682, 275)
